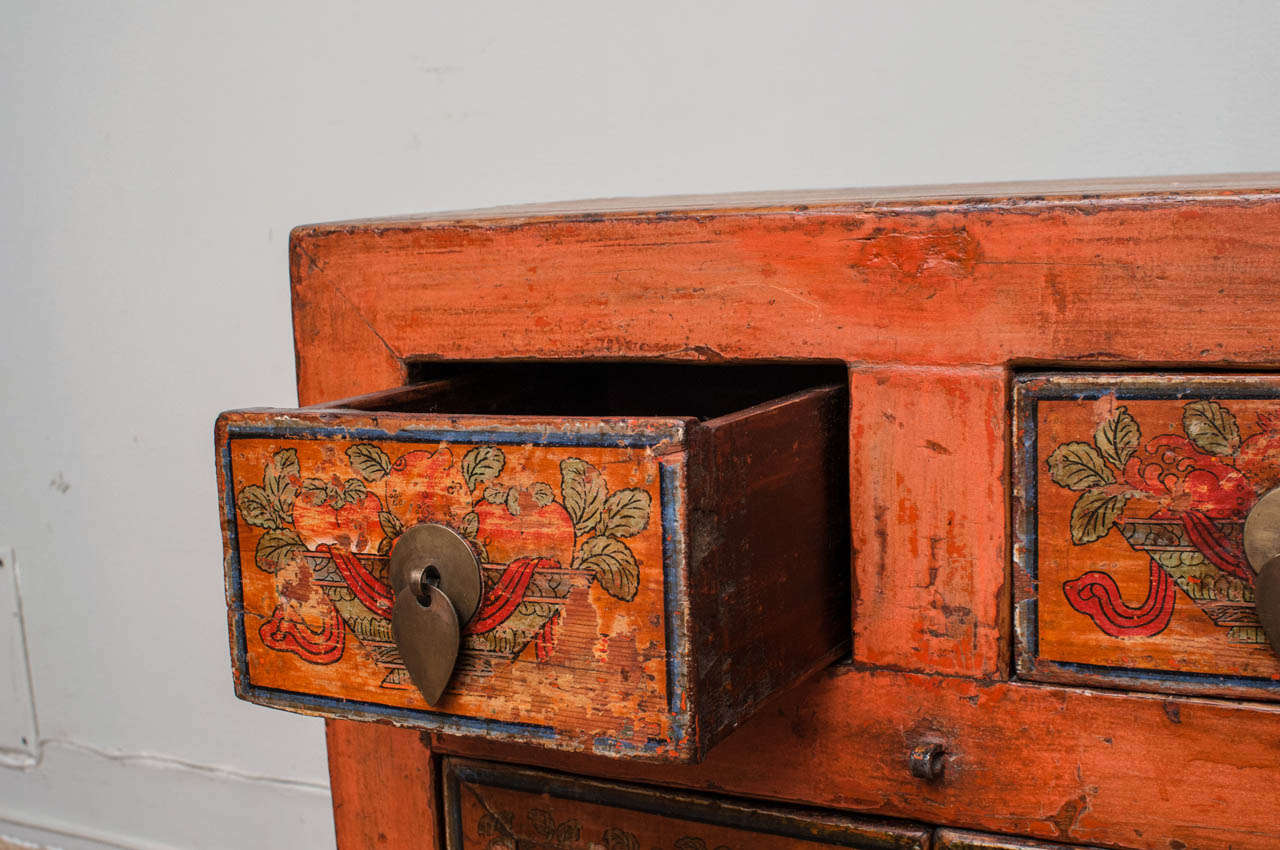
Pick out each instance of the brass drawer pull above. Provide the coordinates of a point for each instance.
(435, 576)
(1262, 547)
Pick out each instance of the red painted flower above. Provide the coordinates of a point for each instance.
(352, 526)
(427, 486)
(526, 524)
(1182, 478)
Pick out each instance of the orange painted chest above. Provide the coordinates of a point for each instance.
(896, 519)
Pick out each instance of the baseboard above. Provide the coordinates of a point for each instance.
(77, 799)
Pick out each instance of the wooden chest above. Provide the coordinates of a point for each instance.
(925, 530)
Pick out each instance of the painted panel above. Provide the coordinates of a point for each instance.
(574, 559)
(499, 807)
(1131, 502)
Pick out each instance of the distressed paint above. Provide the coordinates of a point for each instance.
(312, 508)
(1133, 496)
(927, 450)
(1073, 765)
(498, 807)
(610, 623)
(1126, 275)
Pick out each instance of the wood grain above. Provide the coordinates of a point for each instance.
(769, 552)
(1112, 769)
(383, 782)
(927, 477)
(955, 839)
(488, 806)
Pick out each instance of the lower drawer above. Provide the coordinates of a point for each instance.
(491, 806)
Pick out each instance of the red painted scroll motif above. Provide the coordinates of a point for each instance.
(1180, 498)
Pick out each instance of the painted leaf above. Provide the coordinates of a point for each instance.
(391, 525)
(513, 501)
(315, 491)
(481, 464)
(613, 564)
(1118, 438)
(385, 544)
(284, 464)
(626, 512)
(369, 461)
(568, 833)
(542, 494)
(354, 491)
(688, 842)
(274, 547)
(470, 526)
(1093, 515)
(542, 823)
(620, 839)
(255, 506)
(495, 495)
(583, 490)
(1078, 466)
(278, 478)
(1211, 427)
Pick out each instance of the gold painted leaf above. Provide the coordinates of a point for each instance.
(1211, 427)
(1118, 438)
(626, 512)
(369, 461)
(1093, 515)
(542, 494)
(470, 526)
(583, 490)
(1078, 466)
(392, 527)
(274, 547)
(482, 464)
(613, 564)
(315, 491)
(255, 506)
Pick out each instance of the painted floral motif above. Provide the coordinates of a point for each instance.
(544, 832)
(536, 545)
(1180, 498)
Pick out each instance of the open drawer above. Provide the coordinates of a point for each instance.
(644, 581)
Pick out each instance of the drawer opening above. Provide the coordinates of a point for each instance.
(601, 388)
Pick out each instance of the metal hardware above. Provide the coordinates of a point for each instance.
(1262, 548)
(1266, 596)
(928, 762)
(435, 575)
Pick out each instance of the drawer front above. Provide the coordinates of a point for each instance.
(499, 807)
(1131, 500)
(581, 549)
(604, 624)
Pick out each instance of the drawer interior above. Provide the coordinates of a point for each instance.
(600, 388)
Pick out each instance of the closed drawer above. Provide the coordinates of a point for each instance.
(959, 839)
(499, 807)
(647, 581)
(1131, 499)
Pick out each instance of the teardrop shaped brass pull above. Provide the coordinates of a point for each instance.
(1262, 548)
(435, 575)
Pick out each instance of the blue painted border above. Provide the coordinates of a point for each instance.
(672, 572)
(531, 437)
(1031, 482)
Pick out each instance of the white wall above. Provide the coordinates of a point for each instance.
(156, 154)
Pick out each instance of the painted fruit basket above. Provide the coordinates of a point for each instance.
(1181, 499)
(328, 539)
